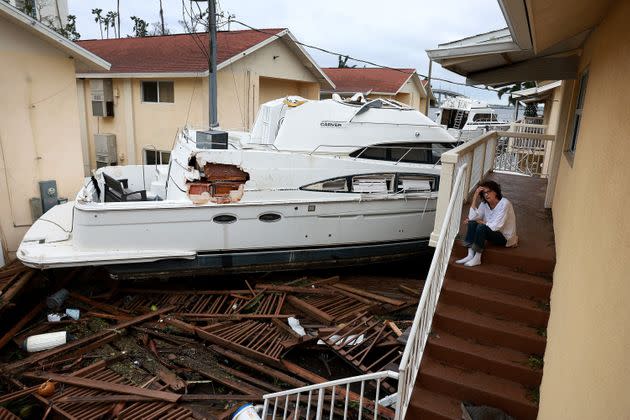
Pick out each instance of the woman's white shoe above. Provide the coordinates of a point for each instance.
(476, 260)
(467, 258)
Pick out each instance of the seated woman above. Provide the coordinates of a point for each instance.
(491, 219)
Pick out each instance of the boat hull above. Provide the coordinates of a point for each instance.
(274, 260)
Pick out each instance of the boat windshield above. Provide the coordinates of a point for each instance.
(404, 152)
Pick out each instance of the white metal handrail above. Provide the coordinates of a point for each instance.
(340, 396)
(421, 327)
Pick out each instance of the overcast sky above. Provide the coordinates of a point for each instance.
(393, 33)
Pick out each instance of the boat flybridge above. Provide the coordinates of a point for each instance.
(467, 118)
(315, 182)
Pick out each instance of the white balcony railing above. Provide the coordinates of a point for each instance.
(421, 327)
(522, 150)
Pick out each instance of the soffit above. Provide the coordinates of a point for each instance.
(552, 22)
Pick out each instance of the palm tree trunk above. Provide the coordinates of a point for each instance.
(162, 17)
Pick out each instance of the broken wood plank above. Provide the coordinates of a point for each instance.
(369, 295)
(296, 290)
(109, 333)
(257, 366)
(15, 288)
(237, 385)
(8, 336)
(91, 303)
(394, 328)
(105, 386)
(137, 398)
(310, 310)
(18, 394)
(409, 290)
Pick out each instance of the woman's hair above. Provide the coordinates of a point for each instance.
(492, 186)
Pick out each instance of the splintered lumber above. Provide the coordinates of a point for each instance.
(103, 335)
(310, 310)
(107, 386)
(258, 340)
(137, 398)
(409, 290)
(217, 376)
(295, 289)
(281, 376)
(8, 336)
(15, 288)
(18, 394)
(352, 396)
(369, 295)
(92, 304)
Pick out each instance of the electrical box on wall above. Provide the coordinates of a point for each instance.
(105, 147)
(102, 93)
(48, 194)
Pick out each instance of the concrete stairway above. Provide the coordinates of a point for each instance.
(488, 337)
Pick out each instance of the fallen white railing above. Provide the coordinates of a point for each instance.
(333, 399)
(421, 327)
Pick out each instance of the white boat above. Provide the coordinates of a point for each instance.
(467, 118)
(314, 182)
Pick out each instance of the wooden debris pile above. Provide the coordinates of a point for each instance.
(175, 353)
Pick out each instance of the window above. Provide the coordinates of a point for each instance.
(156, 157)
(416, 183)
(331, 185)
(158, 92)
(377, 183)
(405, 152)
(577, 117)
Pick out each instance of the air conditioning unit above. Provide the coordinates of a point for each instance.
(102, 93)
(105, 147)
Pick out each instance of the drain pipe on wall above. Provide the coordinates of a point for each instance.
(428, 90)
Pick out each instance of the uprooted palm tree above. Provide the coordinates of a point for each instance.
(530, 110)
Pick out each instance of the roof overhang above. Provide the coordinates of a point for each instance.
(532, 47)
(84, 60)
(538, 93)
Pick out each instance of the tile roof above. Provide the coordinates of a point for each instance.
(173, 53)
(365, 79)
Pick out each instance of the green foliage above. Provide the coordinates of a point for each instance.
(110, 22)
(531, 110)
(28, 8)
(514, 88)
(343, 63)
(140, 27)
(69, 30)
(98, 18)
(535, 362)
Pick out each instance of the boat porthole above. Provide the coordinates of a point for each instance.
(224, 219)
(269, 217)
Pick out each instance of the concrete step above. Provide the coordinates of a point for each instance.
(427, 405)
(490, 300)
(498, 277)
(511, 257)
(494, 360)
(478, 388)
(487, 329)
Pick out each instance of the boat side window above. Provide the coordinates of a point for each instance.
(438, 148)
(374, 183)
(416, 183)
(330, 185)
(404, 152)
(482, 117)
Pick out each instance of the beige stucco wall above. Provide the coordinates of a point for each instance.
(39, 127)
(587, 373)
(241, 86)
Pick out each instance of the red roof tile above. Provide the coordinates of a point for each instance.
(172, 53)
(365, 79)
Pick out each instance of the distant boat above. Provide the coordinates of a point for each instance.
(467, 118)
(314, 183)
